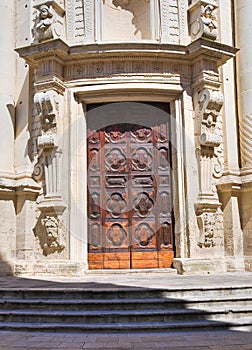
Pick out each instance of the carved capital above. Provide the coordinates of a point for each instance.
(203, 19)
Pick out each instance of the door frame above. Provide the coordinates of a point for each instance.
(126, 92)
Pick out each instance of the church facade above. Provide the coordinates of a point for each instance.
(126, 136)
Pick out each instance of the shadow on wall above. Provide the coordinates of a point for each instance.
(5, 268)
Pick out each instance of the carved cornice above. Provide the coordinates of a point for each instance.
(57, 49)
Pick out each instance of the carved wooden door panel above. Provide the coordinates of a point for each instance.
(129, 196)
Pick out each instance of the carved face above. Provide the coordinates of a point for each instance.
(44, 12)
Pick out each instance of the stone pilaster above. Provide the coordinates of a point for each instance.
(244, 43)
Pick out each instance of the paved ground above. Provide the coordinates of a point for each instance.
(115, 280)
(215, 340)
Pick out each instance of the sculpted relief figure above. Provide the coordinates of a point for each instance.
(43, 27)
(209, 20)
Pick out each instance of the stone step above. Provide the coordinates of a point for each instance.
(121, 304)
(122, 316)
(124, 292)
(180, 326)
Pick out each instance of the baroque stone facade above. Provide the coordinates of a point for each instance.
(72, 69)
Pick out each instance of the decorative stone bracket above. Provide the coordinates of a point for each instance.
(209, 105)
(203, 19)
(208, 140)
(49, 20)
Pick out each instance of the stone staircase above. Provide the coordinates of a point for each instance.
(126, 309)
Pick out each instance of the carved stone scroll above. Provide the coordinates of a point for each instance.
(49, 20)
(203, 19)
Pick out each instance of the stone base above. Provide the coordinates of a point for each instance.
(235, 264)
(194, 266)
(50, 268)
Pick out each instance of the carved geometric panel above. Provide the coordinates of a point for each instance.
(141, 159)
(115, 160)
(130, 196)
(115, 134)
(94, 164)
(141, 134)
(116, 236)
(144, 235)
(164, 203)
(163, 161)
(143, 181)
(94, 205)
(166, 235)
(143, 203)
(95, 237)
(115, 181)
(116, 205)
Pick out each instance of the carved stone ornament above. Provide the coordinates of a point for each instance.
(203, 20)
(48, 23)
(209, 106)
(51, 225)
(206, 222)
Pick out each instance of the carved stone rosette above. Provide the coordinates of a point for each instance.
(208, 142)
(48, 21)
(203, 19)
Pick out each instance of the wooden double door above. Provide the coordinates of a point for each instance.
(129, 191)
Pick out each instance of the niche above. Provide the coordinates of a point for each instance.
(126, 20)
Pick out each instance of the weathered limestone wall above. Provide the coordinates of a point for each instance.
(7, 132)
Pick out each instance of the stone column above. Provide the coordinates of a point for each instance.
(244, 43)
(243, 10)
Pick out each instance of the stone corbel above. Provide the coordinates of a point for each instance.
(203, 19)
(49, 20)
